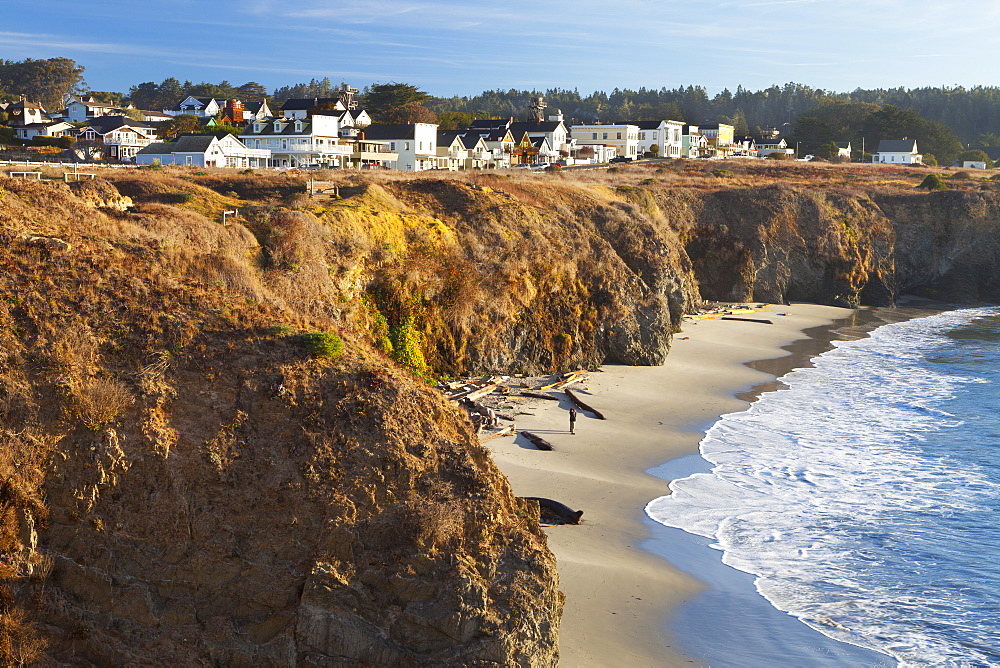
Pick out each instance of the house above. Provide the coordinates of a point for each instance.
(769, 145)
(299, 107)
(263, 112)
(299, 142)
(219, 150)
(719, 138)
(897, 152)
(665, 135)
(623, 136)
(553, 130)
(451, 149)
(202, 107)
(47, 129)
(151, 116)
(23, 112)
(746, 147)
(81, 110)
(122, 136)
(692, 142)
(415, 143)
(843, 149)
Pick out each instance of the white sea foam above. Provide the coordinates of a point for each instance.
(828, 492)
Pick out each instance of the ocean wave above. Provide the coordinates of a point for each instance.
(844, 495)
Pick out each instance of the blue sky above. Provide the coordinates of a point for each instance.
(462, 48)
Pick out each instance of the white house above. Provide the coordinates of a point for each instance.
(299, 142)
(202, 107)
(415, 143)
(299, 107)
(80, 110)
(769, 145)
(221, 150)
(897, 152)
(23, 112)
(843, 149)
(122, 136)
(49, 129)
(624, 137)
(665, 135)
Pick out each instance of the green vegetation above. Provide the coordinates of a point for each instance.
(933, 182)
(974, 155)
(323, 344)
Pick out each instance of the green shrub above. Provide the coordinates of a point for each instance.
(933, 182)
(961, 176)
(323, 344)
(280, 330)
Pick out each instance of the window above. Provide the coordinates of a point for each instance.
(605, 135)
(406, 147)
(392, 146)
(595, 135)
(619, 135)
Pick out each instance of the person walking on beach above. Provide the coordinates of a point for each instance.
(572, 421)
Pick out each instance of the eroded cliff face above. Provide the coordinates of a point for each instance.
(180, 479)
(183, 483)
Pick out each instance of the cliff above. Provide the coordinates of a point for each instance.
(182, 476)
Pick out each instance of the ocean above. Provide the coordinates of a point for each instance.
(860, 500)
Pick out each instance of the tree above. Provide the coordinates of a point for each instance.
(974, 155)
(47, 82)
(408, 113)
(654, 149)
(382, 99)
(178, 125)
(827, 151)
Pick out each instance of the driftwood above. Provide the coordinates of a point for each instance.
(537, 441)
(537, 395)
(576, 400)
(503, 432)
(566, 379)
(761, 321)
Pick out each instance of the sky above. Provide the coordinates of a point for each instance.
(451, 48)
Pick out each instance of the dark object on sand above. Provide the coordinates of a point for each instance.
(761, 321)
(537, 441)
(576, 400)
(553, 512)
(536, 395)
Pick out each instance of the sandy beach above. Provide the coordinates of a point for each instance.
(618, 595)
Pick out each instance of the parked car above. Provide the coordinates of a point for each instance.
(620, 158)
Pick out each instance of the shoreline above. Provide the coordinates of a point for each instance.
(621, 591)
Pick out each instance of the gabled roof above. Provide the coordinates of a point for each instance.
(302, 103)
(491, 123)
(106, 124)
(185, 143)
(843, 144)
(286, 125)
(642, 125)
(897, 146)
(386, 131)
(532, 126)
(448, 137)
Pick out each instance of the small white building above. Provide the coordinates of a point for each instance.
(843, 149)
(221, 150)
(415, 143)
(770, 145)
(624, 137)
(49, 129)
(81, 110)
(202, 107)
(665, 135)
(897, 152)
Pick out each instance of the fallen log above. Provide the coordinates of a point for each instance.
(763, 322)
(503, 432)
(576, 400)
(537, 441)
(537, 395)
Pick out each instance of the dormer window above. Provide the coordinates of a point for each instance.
(257, 127)
(298, 126)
